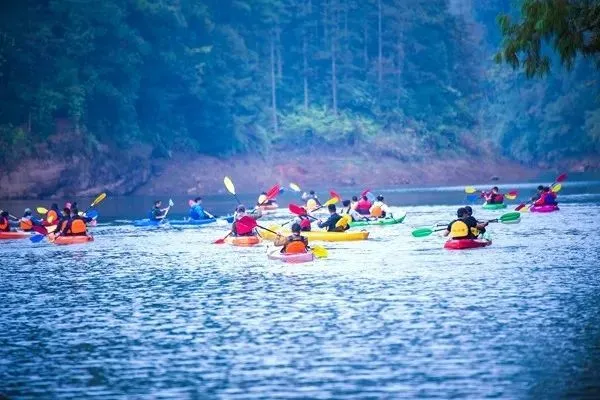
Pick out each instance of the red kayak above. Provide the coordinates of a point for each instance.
(544, 209)
(14, 235)
(462, 244)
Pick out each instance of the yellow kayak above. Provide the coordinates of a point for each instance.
(324, 236)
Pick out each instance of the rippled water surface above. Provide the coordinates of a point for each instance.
(164, 313)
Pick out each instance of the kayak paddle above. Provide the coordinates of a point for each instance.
(42, 210)
(231, 188)
(334, 194)
(295, 187)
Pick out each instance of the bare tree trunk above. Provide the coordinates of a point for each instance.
(273, 87)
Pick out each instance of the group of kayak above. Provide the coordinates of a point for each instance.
(545, 199)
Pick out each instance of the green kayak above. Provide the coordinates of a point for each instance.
(487, 206)
(381, 221)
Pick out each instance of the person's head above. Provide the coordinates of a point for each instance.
(495, 189)
(74, 212)
(198, 200)
(312, 192)
(546, 189)
(354, 198)
(461, 212)
(346, 203)
(157, 203)
(265, 193)
(365, 198)
(54, 207)
(331, 208)
(27, 212)
(380, 198)
(66, 211)
(540, 188)
(4, 214)
(241, 208)
(295, 228)
(469, 210)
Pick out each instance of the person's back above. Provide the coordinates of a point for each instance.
(196, 210)
(364, 206)
(76, 226)
(461, 228)
(332, 221)
(27, 222)
(379, 209)
(293, 244)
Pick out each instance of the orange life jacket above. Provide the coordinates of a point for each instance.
(77, 227)
(51, 217)
(4, 225)
(295, 246)
(25, 224)
(376, 211)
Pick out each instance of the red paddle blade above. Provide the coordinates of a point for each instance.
(219, 241)
(245, 225)
(364, 192)
(333, 194)
(520, 206)
(561, 178)
(295, 209)
(39, 229)
(513, 193)
(273, 192)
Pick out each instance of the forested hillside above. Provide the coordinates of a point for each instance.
(405, 78)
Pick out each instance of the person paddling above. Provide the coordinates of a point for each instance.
(462, 227)
(76, 225)
(293, 244)
(364, 205)
(538, 194)
(240, 212)
(157, 213)
(28, 221)
(197, 211)
(379, 209)
(311, 199)
(304, 221)
(4, 221)
(547, 198)
(348, 210)
(471, 220)
(494, 196)
(333, 219)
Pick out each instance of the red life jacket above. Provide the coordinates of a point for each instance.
(548, 198)
(296, 244)
(4, 225)
(364, 206)
(498, 198)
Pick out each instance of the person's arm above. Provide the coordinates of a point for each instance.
(326, 223)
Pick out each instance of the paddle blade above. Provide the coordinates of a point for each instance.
(229, 185)
(472, 198)
(364, 192)
(295, 187)
(512, 193)
(422, 232)
(470, 190)
(98, 199)
(295, 209)
(333, 194)
(245, 225)
(219, 241)
(509, 217)
(556, 188)
(510, 196)
(36, 238)
(93, 214)
(333, 200)
(561, 178)
(41, 210)
(319, 251)
(273, 192)
(40, 229)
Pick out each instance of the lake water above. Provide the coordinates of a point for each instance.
(164, 313)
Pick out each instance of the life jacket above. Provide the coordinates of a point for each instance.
(51, 217)
(262, 200)
(304, 223)
(77, 227)
(376, 211)
(311, 204)
(25, 224)
(364, 206)
(4, 225)
(460, 230)
(295, 245)
(497, 198)
(548, 198)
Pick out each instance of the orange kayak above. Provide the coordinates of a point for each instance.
(64, 240)
(243, 241)
(14, 235)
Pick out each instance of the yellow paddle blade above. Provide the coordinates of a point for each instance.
(319, 251)
(275, 228)
(333, 200)
(524, 209)
(470, 190)
(295, 187)
(344, 221)
(41, 210)
(556, 188)
(229, 185)
(510, 197)
(98, 199)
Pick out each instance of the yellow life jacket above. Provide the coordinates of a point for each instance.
(311, 204)
(459, 230)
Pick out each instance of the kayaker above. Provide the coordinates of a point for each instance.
(197, 211)
(538, 194)
(480, 226)
(27, 222)
(157, 213)
(4, 222)
(547, 198)
(240, 212)
(364, 205)
(293, 244)
(333, 219)
(304, 221)
(76, 225)
(312, 200)
(348, 210)
(494, 196)
(461, 228)
(379, 209)
(354, 202)
(53, 215)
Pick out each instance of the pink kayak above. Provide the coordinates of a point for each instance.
(461, 244)
(544, 209)
(295, 258)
